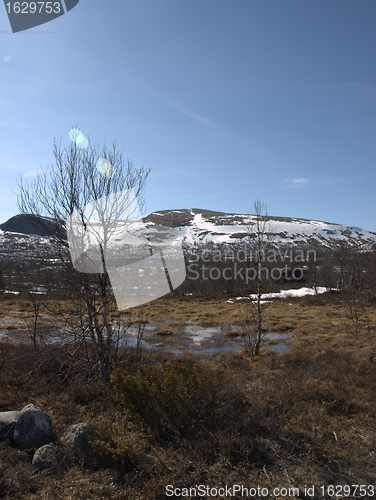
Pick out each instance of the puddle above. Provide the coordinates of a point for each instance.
(176, 339)
(206, 340)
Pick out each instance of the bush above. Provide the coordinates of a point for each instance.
(175, 399)
(121, 443)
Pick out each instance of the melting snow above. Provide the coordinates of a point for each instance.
(284, 294)
(293, 231)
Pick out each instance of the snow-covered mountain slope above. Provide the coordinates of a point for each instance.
(23, 242)
(204, 226)
(20, 241)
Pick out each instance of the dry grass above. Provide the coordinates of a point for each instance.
(279, 411)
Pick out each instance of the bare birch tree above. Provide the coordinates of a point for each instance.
(68, 185)
(260, 235)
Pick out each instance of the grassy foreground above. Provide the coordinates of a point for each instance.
(303, 418)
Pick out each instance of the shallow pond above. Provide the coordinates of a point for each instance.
(206, 340)
(176, 339)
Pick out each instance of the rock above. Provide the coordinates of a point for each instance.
(33, 428)
(8, 420)
(49, 457)
(78, 438)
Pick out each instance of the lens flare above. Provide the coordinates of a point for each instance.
(7, 59)
(105, 168)
(77, 136)
(82, 142)
(74, 134)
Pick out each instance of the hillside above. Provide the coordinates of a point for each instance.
(26, 224)
(20, 239)
(198, 226)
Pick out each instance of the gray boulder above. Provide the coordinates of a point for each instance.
(8, 420)
(49, 458)
(33, 428)
(78, 439)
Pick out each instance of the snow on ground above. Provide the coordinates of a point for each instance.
(292, 231)
(284, 294)
(297, 292)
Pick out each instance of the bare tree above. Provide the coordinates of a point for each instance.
(260, 234)
(36, 302)
(66, 187)
(313, 275)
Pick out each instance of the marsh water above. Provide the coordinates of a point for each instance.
(163, 335)
(206, 340)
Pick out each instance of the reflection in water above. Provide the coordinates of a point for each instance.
(199, 339)
(175, 339)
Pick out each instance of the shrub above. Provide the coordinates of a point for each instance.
(119, 442)
(175, 399)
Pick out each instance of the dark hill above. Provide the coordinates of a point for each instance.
(30, 225)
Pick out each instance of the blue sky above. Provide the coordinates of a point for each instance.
(226, 101)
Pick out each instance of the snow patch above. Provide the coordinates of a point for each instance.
(284, 294)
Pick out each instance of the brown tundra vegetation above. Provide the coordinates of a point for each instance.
(277, 420)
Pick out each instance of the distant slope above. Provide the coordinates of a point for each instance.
(20, 240)
(23, 242)
(203, 226)
(25, 224)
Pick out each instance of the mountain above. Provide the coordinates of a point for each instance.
(20, 240)
(200, 227)
(28, 224)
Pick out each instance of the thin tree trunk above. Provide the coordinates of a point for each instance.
(259, 311)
